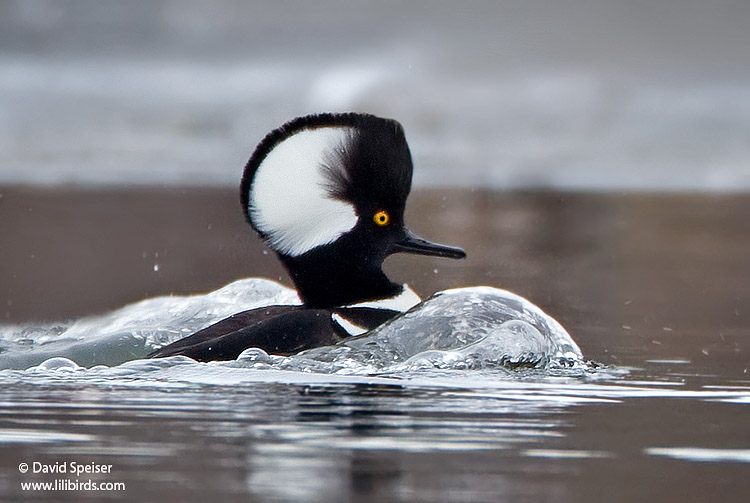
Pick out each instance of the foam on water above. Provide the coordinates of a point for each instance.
(135, 330)
(466, 329)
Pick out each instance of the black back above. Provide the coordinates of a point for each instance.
(279, 330)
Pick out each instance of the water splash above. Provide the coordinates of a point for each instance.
(135, 330)
(463, 329)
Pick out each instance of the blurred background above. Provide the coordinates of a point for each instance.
(575, 94)
(124, 128)
(591, 156)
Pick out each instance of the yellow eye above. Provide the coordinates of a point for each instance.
(381, 218)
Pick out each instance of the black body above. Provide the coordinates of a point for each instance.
(372, 172)
(279, 330)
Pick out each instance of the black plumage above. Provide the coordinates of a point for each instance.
(371, 171)
(280, 330)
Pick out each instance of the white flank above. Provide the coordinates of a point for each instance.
(401, 302)
(289, 201)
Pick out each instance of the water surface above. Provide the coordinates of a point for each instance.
(652, 288)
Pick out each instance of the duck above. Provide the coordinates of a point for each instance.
(327, 193)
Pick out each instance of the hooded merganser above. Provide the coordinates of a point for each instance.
(327, 193)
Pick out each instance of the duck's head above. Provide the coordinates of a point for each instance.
(327, 193)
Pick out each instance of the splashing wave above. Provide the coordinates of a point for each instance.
(461, 329)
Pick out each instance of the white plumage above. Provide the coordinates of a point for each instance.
(289, 198)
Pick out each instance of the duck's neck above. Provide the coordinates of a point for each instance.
(325, 282)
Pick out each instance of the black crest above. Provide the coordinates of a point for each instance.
(377, 162)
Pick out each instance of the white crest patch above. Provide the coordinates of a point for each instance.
(289, 199)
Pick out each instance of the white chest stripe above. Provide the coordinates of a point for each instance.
(401, 302)
(347, 325)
